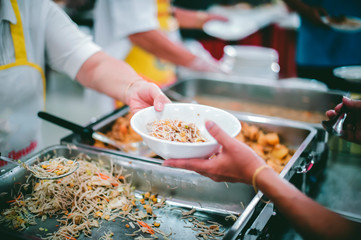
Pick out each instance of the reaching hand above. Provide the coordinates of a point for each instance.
(310, 13)
(236, 162)
(216, 17)
(314, 14)
(206, 63)
(352, 128)
(195, 19)
(143, 94)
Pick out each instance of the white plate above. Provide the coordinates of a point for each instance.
(349, 73)
(351, 24)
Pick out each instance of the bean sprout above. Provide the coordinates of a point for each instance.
(53, 168)
(176, 131)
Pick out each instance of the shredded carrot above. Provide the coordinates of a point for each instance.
(103, 176)
(121, 177)
(14, 199)
(71, 238)
(143, 224)
(114, 184)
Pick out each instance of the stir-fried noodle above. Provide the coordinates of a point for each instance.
(176, 131)
(53, 168)
(94, 193)
(82, 199)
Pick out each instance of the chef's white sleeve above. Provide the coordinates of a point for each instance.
(133, 16)
(67, 48)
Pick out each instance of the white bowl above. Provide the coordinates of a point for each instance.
(189, 113)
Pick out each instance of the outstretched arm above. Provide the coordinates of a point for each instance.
(310, 219)
(160, 45)
(310, 13)
(238, 163)
(156, 43)
(117, 79)
(189, 19)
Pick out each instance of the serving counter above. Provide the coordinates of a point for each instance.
(212, 201)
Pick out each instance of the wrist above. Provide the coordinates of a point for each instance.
(272, 185)
(201, 18)
(257, 173)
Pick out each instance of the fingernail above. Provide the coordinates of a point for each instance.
(159, 106)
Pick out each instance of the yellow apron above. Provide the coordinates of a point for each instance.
(22, 95)
(147, 65)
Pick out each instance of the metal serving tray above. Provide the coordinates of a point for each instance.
(182, 188)
(295, 135)
(292, 133)
(255, 91)
(187, 189)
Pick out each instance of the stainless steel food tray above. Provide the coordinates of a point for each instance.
(182, 188)
(262, 92)
(214, 201)
(292, 133)
(295, 135)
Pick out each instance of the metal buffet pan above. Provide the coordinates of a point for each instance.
(264, 96)
(182, 189)
(295, 135)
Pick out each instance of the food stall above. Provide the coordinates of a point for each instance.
(312, 149)
(143, 199)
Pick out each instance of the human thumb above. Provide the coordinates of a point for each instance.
(218, 134)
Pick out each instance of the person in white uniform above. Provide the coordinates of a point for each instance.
(118, 24)
(131, 31)
(37, 32)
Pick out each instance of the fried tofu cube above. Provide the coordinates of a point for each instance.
(280, 151)
(272, 139)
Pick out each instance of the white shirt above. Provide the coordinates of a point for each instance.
(115, 20)
(50, 36)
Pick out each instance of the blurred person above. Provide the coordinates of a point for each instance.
(38, 32)
(320, 48)
(236, 162)
(145, 34)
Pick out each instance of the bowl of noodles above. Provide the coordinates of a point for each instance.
(179, 130)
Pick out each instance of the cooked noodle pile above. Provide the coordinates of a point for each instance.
(81, 199)
(176, 131)
(53, 168)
